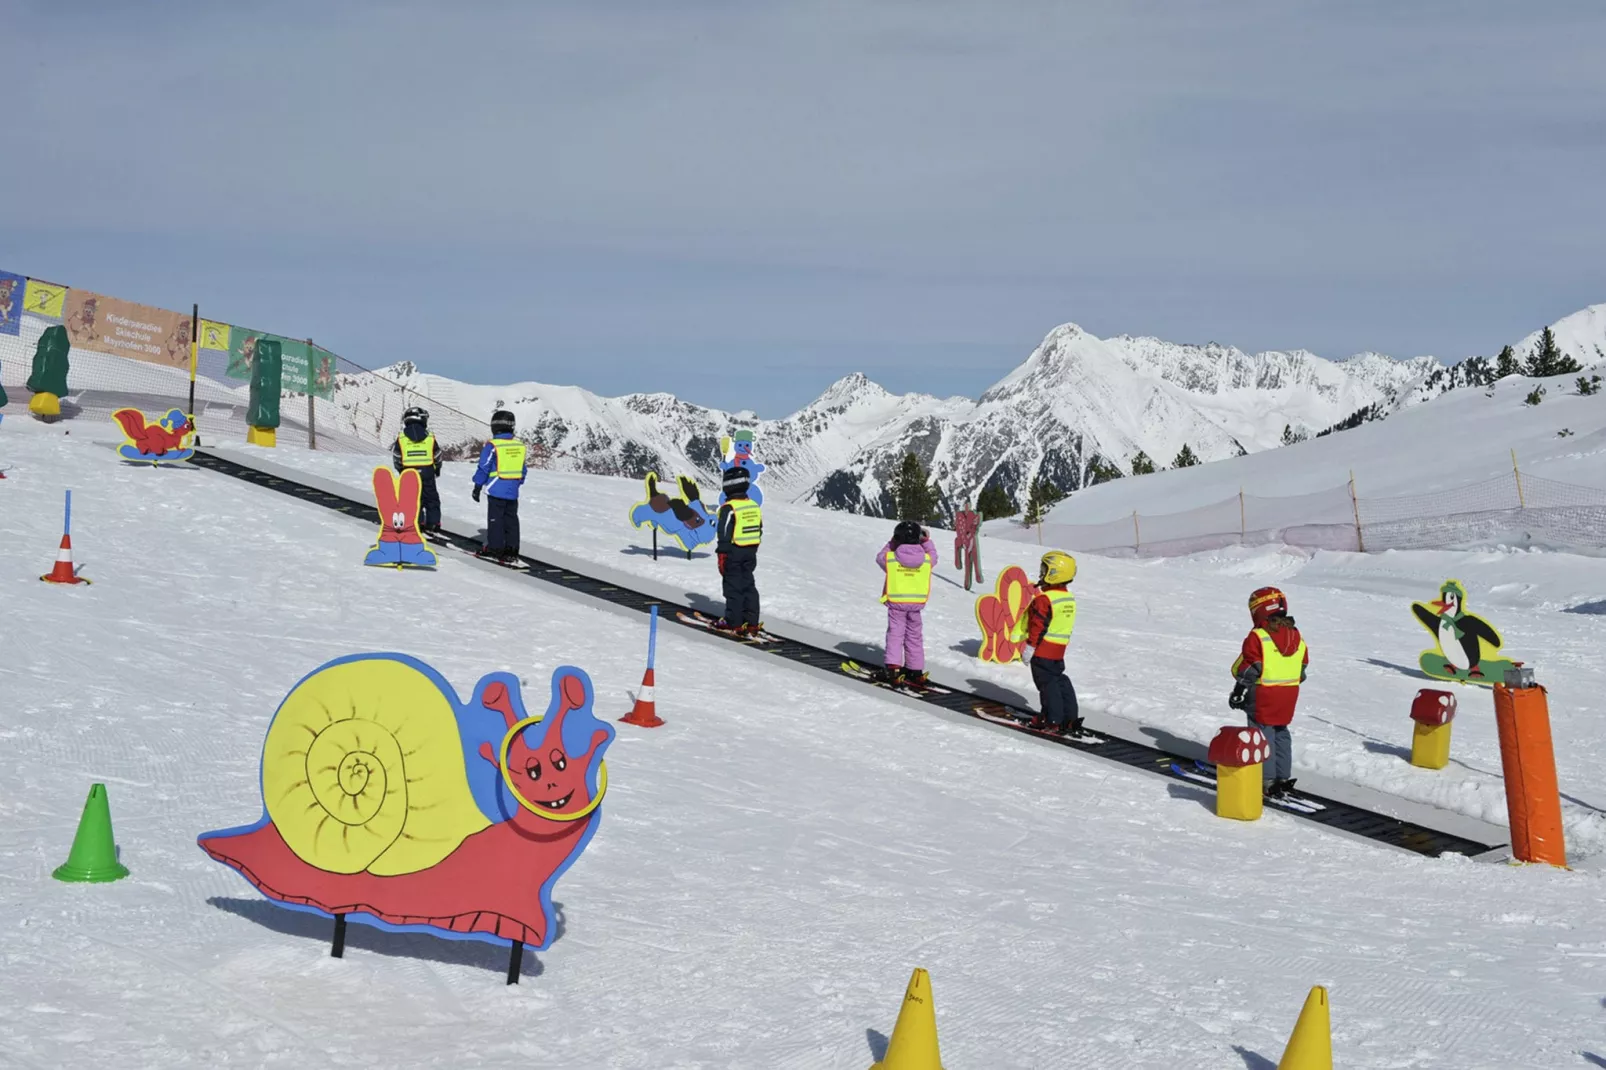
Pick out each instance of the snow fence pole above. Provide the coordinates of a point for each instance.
(1355, 506)
(312, 414)
(1137, 538)
(1241, 524)
(1522, 502)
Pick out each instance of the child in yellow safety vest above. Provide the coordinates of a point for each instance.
(907, 561)
(1049, 622)
(1267, 673)
(500, 474)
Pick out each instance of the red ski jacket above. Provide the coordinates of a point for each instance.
(1269, 705)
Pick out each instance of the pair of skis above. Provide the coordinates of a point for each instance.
(1204, 774)
(705, 622)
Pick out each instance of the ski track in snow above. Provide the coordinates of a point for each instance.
(769, 868)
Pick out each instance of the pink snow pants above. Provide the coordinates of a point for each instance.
(906, 638)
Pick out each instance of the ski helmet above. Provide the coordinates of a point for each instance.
(501, 422)
(735, 482)
(1267, 602)
(417, 414)
(907, 533)
(1057, 567)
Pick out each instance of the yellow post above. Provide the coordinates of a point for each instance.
(1521, 502)
(1430, 745)
(1238, 792)
(1311, 1046)
(914, 1038)
(43, 404)
(261, 436)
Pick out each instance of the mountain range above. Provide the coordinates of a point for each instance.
(1076, 401)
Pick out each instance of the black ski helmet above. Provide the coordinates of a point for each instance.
(417, 414)
(907, 533)
(501, 422)
(736, 481)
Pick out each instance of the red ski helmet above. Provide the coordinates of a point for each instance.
(1267, 602)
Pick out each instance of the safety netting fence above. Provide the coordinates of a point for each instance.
(123, 354)
(1515, 509)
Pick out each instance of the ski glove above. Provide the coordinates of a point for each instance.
(477, 489)
(1239, 699)
(1028, 653)
(721, 564)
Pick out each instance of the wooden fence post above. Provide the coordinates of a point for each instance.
(1522, 502)
(1355, 506)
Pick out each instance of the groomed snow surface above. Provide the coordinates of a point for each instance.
(773, 862)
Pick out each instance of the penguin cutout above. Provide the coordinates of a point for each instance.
(1463, 643)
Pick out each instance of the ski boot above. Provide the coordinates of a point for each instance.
(749, 631)
(725, 627)
(887, 674)
(1281, 788)
(916, 680)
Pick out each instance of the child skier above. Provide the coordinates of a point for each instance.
(415, 448)
(1049, 622)
(967, 543)
(907, 560)
(502, 466)
(739, 527)
(1269, 670)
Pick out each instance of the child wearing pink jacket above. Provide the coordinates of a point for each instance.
(907, 560)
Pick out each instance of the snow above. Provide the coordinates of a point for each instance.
(769, 867)
(1458, 438)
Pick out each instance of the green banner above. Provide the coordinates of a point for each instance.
(306, 369)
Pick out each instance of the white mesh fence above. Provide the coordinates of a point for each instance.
(1510, 510)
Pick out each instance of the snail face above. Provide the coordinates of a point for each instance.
(552, 779)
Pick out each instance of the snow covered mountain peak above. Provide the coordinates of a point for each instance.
(1075, 401)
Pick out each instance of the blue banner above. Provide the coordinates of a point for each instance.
(11, 288)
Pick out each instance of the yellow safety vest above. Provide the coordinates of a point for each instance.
(509, 458)
(416, 454)
(907, 586)
(749, 527)
(1276, 668)
(1063, 620)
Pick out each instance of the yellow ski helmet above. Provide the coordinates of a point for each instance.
(1058, 567)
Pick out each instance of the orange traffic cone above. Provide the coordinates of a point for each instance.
(644, 713)
(64, 572)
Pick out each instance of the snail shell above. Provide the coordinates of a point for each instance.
(363, 769)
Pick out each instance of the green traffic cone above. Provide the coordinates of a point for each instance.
(94, 852)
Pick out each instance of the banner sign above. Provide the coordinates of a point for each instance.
(44, 299)
(11, 290)
(301, 361)
(124, 329)
(214, 335)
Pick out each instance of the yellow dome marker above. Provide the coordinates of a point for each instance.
(1311, 1046)
(914, 1038)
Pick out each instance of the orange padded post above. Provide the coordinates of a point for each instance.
(1529, 759)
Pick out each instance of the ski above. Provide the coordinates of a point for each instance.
(868, 675)
(705, 622)
(1204, 773)
(1023, 722)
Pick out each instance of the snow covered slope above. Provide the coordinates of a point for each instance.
(767, 870)
(1459, 438)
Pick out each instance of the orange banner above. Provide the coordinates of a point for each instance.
(108, 325)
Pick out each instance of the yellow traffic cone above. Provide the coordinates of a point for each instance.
(1311, 1046)
(914, 1038)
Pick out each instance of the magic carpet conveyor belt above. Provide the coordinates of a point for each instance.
(1340, 816)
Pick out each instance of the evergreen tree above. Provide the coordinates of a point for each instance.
(915, 497)
(1042, 498)
(1506, 364)
(1141, 465)
(1290, 436)
(1103, 471)
(1535, 396)
(1547, 359)
(993, 503)
(1185, 457)
(1588, 385)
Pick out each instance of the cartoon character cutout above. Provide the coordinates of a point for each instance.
(10, 294)
(684, 519)
(81, 324)
(1463, 643)
(169, 440)
(400, 543)
(1001, 616)
(737, 450)
(389, 801)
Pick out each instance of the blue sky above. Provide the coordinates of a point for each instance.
(741, 202)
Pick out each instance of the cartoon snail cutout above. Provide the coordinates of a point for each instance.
(1463, 643)
(388, 800)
